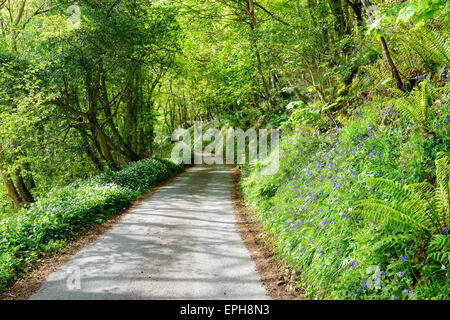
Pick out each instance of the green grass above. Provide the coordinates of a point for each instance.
(52, 219)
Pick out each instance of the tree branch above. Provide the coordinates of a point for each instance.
(272, 15)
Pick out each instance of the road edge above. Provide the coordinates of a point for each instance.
(277, 280)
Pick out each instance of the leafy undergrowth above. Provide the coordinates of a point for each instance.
(52, 219)
(309, 207)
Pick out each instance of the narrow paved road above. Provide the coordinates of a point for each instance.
(181, 243)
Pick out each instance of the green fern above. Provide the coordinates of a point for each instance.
(433, 46)
(415, 207)
(443, 183)
(439, 248)
(415, 105)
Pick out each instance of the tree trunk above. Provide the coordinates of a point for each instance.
(124, 148)
(22, 188)
(336, 8)
(29, 175)
(20, 11)
(11, 189)
(254, 27)
(101, 139)
(393, 70)
(356, 6)
(90, 151)
(9, 185)
(25, 194)
(391, 65)
(130, 130)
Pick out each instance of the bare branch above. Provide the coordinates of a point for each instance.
(272, 15)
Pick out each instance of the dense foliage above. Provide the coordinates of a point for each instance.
(359, 88)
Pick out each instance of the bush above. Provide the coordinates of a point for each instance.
(52, 219)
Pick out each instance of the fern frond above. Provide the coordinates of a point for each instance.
(431, 45)
(417, 206)
(439, 248)
(404, 106)
(438, 46)
(441, 155)
(443, 187)
(421, 188)
(395, 189)
(415, 105)
(422, 205)
(384, 212)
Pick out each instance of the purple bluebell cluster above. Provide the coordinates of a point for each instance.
(321, 177)
(444, 73)
(314, 207)
(448, 118)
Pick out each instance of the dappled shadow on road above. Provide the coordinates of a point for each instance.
(182, 243)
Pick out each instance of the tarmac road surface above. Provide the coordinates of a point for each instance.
(181, 243)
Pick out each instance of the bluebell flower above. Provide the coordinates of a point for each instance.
(448, 118)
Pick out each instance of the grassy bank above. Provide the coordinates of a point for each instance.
(315, 209)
